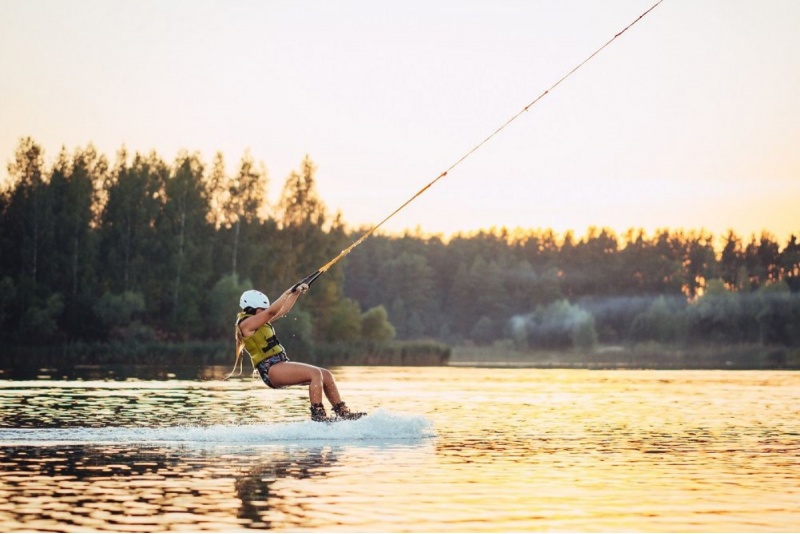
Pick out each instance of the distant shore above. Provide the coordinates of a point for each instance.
(210, 361)
(171, 358)
(643, 356)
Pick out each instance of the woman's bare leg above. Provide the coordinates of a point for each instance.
(297, 374)
(329, 386)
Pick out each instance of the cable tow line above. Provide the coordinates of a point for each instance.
(316, 274)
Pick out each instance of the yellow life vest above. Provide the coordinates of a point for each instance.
(262, 344)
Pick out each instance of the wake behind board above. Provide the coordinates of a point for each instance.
(379, 426)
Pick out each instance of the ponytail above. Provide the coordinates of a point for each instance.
(239, 346)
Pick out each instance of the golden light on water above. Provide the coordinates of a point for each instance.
(446, 449)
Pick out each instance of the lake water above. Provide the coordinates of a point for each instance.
(444, 449)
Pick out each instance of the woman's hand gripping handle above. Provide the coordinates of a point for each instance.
(306, 282)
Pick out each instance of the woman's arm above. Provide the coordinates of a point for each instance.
(283, 305)
(276, 310)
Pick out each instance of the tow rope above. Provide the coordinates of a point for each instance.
(316, 274)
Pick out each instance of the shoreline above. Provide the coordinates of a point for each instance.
(208, 361)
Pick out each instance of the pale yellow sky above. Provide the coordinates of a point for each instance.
(689, 120)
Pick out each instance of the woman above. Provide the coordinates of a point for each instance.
(255, 333)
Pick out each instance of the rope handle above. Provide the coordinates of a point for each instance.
(307, 280)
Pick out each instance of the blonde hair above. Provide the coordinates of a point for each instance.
(239, 337)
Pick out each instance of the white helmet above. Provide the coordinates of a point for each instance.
(253, 299)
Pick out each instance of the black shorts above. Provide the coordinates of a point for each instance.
(263, 367)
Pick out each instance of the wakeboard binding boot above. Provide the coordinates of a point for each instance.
(343, 412)
(319, 414)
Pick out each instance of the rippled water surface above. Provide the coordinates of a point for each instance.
(444, 449)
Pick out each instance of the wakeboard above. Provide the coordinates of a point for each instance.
(337, 419)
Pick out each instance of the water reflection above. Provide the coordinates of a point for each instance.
(106, 488)
(47, 404)
(157, 489)
(259, 487)
(116, 487)
(114, 372)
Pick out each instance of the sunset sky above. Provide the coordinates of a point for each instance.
(691, 119)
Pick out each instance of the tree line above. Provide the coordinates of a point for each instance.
(140, 249)
(537, 291)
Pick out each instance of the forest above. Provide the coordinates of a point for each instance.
(138, 250)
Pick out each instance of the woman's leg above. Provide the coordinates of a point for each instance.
(329, 386)
(297, 374)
